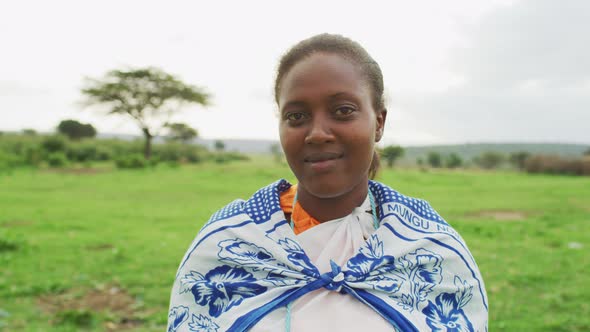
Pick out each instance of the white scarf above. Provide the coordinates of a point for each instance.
(246, 265)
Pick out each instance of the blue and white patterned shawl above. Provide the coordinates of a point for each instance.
(415, 270)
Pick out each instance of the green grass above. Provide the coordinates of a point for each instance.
(62, 235)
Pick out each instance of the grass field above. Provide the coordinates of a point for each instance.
(98, 250)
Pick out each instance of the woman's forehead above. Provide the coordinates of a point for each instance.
(323, 73)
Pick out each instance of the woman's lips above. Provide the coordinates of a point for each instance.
(321, 156)
(322, 161)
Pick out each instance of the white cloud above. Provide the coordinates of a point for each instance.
(455, 71)
(525, 70)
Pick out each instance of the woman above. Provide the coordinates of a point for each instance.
(337, 252)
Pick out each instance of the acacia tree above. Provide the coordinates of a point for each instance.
(391, 153)
(149, 96)
(181, 132)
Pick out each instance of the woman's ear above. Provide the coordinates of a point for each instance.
(381, 116)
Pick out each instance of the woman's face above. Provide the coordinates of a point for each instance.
(328, 126)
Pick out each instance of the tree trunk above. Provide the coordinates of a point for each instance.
(147, 150)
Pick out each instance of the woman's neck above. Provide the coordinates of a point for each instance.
(326, 209)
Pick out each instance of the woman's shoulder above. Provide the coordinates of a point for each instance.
(418, 211)
(260, 206)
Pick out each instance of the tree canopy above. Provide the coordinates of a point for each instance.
(149, 96)
(518, 158)
(219, 145)
(76, 130)
(391, 153)
(181, 132)
(489, 159)
(453, 160)
(434, 159)
(29, 132)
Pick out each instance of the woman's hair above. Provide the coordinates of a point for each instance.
(350, 50)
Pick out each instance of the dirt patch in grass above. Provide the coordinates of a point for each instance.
(78, 306)
(17, 223)
(501, 215)
(78, 171)
(100, 247)
(582, 204)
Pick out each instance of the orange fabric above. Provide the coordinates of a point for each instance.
(302, 221)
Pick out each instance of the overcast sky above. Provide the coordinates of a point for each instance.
(455, 71)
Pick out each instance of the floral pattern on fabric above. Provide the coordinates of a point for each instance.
(176, 317)
(247, 259)
(422, 270)
(446, 313)
(370, 259)
(246, 254)
(221, 288)
(372, 266)
(297, 256)
(202, 324)
(255, 259)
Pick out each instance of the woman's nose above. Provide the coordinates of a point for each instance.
(320, 131)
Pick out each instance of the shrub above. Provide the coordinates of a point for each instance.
(225, 157)
(489, 159)
(120, 148)
(81, 152)
(557, 165)
(178, 152)
(133, 161)
(33, 155)
(57, 159)
(8, 160)
(29, 132)
(53, 144)
(194, 157)
(168, 152)
(220, 158)
(32, 150)
(173, 164)
(434, 159)
(518, 158)
(453, 161)
(22, 150)
(583, 165)
(103, 153)
(154, 161)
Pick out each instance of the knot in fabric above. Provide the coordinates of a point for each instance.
(334, 279)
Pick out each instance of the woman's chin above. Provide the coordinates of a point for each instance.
(327, 189)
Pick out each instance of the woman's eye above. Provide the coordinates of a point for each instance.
(344, 110)
(294, 116)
